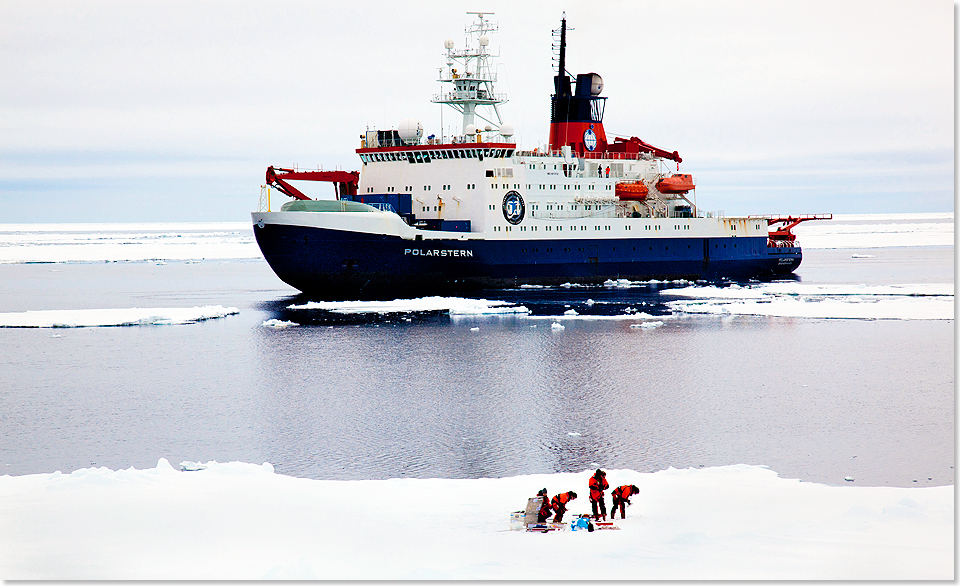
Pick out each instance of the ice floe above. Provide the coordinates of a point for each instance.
(20, 243)
(279, 324)
(878, 231)
(455, 306)
(81, 318)
(237, 521)
(933, 301)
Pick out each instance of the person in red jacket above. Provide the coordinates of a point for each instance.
(621, 497)
(598, 483)
(545, 509)
(559, 504)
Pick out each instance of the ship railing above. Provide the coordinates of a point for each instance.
(469, 96)
(771, 243)
(383, 206)
(604, 155)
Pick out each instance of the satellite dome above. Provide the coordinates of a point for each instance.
(448, 43)
(596, 84)
(506, 129)
(483, 40)
(470, 130)
(487, 128)
(410, 130)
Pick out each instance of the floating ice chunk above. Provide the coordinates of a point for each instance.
(861, 256)
(649, 325)
(574, 433)
(571, 312)
(474, 329)
(455, 306)
(848, 478)
(278, 324)
(557, 327)
(590, 302)
(80, 318)
(192, 466)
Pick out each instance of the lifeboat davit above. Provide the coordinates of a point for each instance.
(680, 183)
(632, 190)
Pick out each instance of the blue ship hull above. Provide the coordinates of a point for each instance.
(336, 264)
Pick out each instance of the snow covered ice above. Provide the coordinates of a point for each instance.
(80, 318)
(927, 301)
(454, 306)
(240, 521)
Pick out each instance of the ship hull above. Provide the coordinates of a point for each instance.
(340, 264)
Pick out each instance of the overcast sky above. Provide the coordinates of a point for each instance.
(171, 111)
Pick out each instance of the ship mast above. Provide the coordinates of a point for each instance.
(468, 71)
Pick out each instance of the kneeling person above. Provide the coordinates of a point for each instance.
(559, 504)
(621, 497)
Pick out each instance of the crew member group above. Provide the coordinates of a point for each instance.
(597, 485)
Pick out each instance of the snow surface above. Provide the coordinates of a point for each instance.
(82, 318)
(241, 521)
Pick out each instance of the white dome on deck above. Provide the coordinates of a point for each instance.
(410, 130)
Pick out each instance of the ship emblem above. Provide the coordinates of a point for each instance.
(513, 207)
(589, 139)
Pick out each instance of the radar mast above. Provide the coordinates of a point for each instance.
(469, 73)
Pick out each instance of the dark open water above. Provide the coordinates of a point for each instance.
(382, 397)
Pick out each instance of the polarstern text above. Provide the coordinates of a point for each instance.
(444, 252)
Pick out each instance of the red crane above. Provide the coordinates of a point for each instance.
(783, 233)
(344, 182)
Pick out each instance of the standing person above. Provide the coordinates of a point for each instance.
(621, 496)
(544, 507)
(559, 504)
(598, 483)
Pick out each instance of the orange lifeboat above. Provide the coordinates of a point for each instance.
(632, 190)
(680, 183)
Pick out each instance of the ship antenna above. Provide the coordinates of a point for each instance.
(472, 80)
(562, 89)
(563, 54)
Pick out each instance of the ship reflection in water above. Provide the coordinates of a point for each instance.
(426, 394)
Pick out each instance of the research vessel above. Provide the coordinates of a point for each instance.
(444, 213)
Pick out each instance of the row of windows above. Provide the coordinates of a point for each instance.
(409, 188)
(576, 187)
(427, 156)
